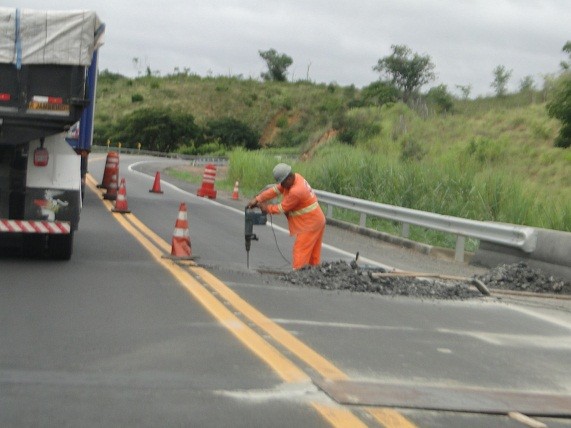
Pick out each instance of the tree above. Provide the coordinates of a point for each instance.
(405, 70)
(277, 65)
(527, 84)
(440, 97)
(559, 107)
(465, 90)
(567, 49)
(501, 78)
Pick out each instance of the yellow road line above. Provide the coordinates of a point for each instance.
(288, 371)
(390, 418)
(337, 416)
(284, 337)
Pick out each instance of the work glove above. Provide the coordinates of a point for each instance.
(252, 203)
(263, 206)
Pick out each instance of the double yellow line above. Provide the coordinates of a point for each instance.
(197, 282)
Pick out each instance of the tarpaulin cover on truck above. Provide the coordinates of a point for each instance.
(48, 37)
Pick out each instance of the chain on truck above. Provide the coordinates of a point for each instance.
(48, 75)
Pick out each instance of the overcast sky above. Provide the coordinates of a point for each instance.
(331, 40)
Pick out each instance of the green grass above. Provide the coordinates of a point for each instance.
(490, 159)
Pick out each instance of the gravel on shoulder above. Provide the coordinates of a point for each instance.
(341, 275)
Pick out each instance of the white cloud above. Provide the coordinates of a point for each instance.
(338, 40)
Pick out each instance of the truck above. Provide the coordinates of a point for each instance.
(48, 78)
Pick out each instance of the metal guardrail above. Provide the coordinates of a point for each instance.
(195, 159)
(521, 237)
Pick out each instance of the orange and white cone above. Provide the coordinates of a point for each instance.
(111, 193)
(157, 184)
(111, 164)
(208, 179)
(121, 205)
(181, 247)
(235, 193)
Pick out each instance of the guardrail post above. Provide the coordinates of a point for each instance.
(329, 211)
(405, 233)
(459, 253)
(363, 220)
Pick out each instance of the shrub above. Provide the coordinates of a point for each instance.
(137, 98)
(358, 124)
(380, 93)
(157, 129)
(232, 133)
(485, 149)
(559, 107)
(439, 97)
(411, 150)
(563, 140)
(282, 122)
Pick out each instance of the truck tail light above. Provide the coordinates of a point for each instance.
(47, 100)
(4, 96)
(48, 105)
(41, 156)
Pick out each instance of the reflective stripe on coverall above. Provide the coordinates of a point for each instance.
(305, 218)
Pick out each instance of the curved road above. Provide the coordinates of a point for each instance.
(122, 336)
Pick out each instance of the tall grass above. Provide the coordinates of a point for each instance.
(489, 159)
(460, 189)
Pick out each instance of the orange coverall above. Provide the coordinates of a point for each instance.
(305, 219)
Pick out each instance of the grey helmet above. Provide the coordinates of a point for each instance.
(281, 171)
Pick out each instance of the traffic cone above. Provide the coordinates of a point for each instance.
(181, 248)
(111, 193)
(235, 194)
(157, 184)
(121, 205)
(111, 163)
(207, 187)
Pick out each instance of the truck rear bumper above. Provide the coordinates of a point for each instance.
(34, 226)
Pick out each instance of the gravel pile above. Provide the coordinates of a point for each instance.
(343, 276)
(521, 277)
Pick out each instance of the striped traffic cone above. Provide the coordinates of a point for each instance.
(207, 186)
(121, 205)
(111, 193)
(181, 248)
(111, 164)
(235, 193)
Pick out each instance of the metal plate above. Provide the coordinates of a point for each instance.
(472, 400)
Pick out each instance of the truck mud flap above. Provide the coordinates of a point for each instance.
(53, 205)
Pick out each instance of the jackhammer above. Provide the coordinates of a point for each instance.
(253, 218)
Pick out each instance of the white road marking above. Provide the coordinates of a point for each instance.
(343, 325)
(515, 340)
(275, 227)
(286, 391)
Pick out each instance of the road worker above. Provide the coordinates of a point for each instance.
(305, 218)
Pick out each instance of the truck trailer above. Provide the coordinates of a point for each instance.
(48, 76)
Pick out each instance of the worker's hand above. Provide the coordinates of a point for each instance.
(252, 203)
(263, 206)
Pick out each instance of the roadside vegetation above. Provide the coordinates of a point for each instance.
(502, 158)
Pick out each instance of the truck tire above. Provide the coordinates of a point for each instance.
(60, 247)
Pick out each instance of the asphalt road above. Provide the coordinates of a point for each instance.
(120, 336)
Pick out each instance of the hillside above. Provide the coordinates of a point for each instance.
(282, 114)
(487, 159)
